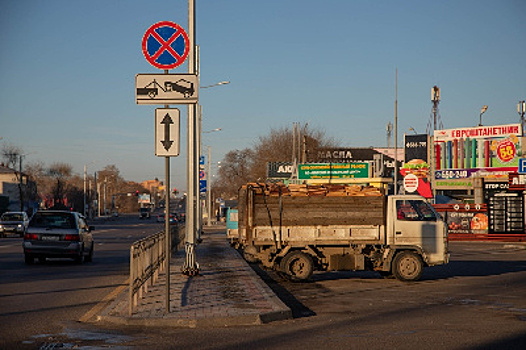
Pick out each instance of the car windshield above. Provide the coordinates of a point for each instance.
(54, 220)
(12, 217)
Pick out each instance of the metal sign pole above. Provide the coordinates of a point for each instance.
(168, 233)
(190, 266)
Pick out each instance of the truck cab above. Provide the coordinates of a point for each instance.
(415, 228)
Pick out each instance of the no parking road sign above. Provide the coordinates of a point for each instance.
(165, 45)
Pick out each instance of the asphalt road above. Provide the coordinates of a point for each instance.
(44, 298)
(478, 301)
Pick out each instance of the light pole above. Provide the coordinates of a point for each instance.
(224, 82)
(209, 182)
(413, 130)
(521, 109)
(482, 111)
(85, 211)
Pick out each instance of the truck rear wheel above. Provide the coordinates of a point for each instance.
(408, 266)
(297, 265)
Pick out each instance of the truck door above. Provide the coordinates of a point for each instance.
(418, 224)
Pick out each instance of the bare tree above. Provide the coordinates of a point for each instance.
(234, 172)
(60, 172)
(278, 146)
(11, 155)
(242, 166)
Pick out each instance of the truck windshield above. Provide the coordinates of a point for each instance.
(414, 210)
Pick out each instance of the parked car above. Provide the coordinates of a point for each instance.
(13, 222)
(58, 234)
(173, 219)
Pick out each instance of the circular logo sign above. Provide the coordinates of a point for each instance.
(410, 183)
(165, 45)
(506, 151)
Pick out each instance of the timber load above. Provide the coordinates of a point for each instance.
(306, 190)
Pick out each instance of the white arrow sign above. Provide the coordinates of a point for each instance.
(167, 132)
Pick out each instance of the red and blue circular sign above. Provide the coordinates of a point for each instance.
(165, 45)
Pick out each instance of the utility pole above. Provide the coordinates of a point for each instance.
(190, 266)
(396, 135)
(521, 109)
(209, 187)
(21, 191)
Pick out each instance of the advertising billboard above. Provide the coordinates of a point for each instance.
(415, 169)
(486, 151)
(464, 218)
(333, 171)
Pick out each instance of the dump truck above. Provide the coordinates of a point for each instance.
(352, 228)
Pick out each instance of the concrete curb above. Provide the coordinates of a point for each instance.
(227, 293)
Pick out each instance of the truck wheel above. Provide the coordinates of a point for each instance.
(29, 259)
(297, 265)
(408, 266)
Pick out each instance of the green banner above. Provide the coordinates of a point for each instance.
(333, 171)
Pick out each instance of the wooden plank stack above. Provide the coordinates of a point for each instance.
(305, 190)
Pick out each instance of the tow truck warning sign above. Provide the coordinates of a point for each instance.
(156, 89)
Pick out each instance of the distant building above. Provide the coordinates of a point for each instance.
(156, 189)
(13, 186)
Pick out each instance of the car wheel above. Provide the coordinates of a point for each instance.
(297, 266)
(89, 258)
(79, 259)
(408, 266)
(29, 259)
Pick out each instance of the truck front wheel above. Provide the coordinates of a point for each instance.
(408, 266)
(297, 265)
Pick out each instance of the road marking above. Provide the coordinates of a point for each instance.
(104, 302)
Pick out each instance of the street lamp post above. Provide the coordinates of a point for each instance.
(482, 111)
(209, 181)
(216, 84)
(209, 188)
(521, 109)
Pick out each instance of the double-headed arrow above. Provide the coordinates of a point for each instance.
(167, 121)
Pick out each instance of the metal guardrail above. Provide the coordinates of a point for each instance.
(147, 260)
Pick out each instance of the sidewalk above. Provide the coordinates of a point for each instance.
(227, 292)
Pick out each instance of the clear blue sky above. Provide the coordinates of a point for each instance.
(67, 71)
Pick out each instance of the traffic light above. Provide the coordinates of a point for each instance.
(137, 193)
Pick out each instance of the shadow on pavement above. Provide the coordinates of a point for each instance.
(298, 309)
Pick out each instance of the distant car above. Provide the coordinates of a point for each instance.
(13, 222)
(58, 234)
(173, 219)
(144, 213)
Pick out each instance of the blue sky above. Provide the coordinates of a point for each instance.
(67, 71)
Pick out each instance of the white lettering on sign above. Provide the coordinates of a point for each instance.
(519, 180)
(336, 154)
(285, 169)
